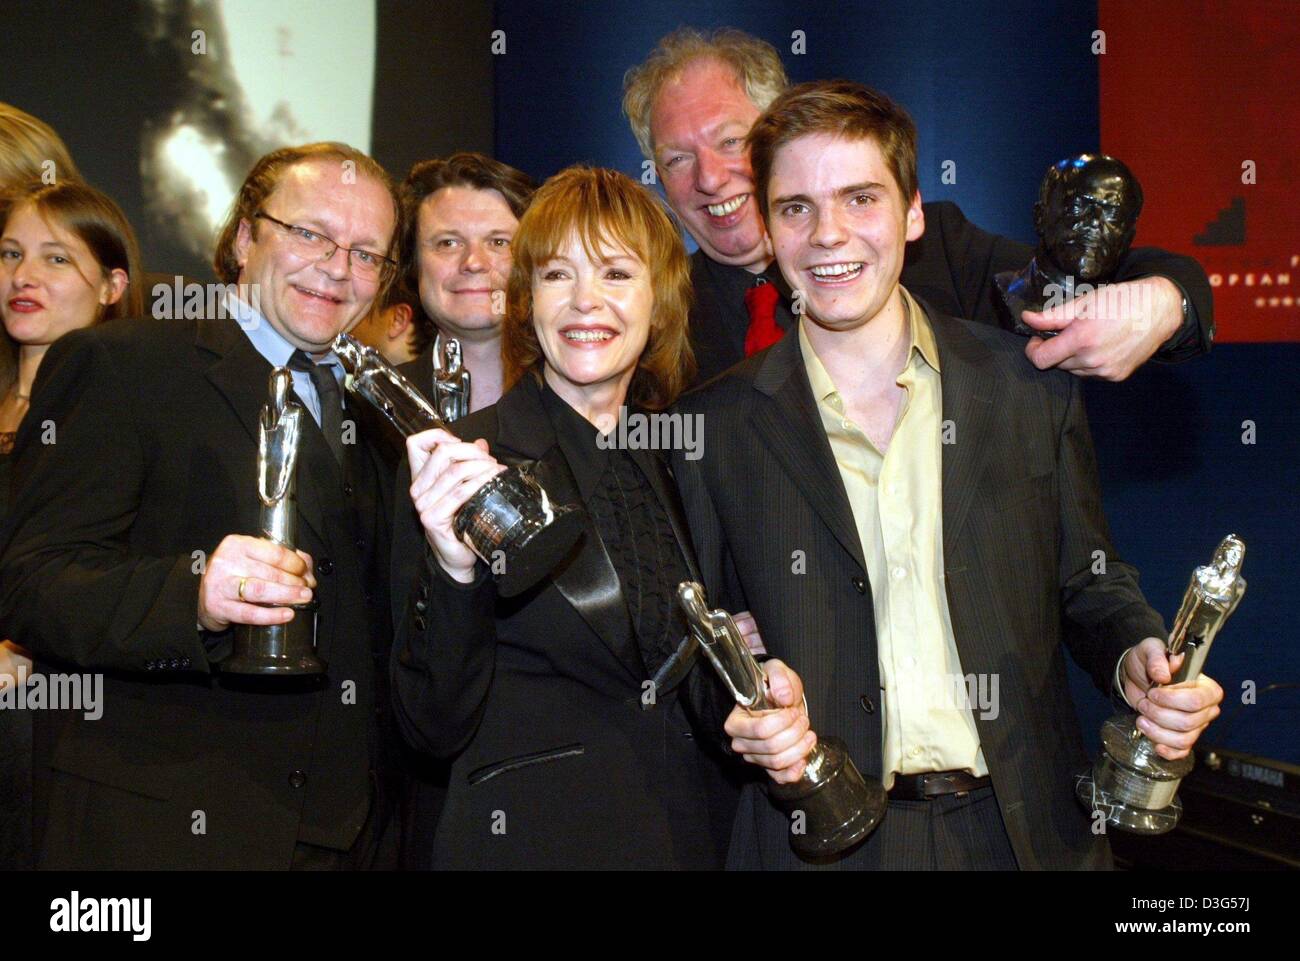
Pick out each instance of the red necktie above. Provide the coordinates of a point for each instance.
(763, 332)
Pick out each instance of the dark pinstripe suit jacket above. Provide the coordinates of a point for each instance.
(1022, 521)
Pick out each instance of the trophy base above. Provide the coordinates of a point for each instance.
(276, 649)
(1124, 815)
(510, 519)
(839, 805)
(1131, 785)
(535, 556)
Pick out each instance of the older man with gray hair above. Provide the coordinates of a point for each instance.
(691, 104)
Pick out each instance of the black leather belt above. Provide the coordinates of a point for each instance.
(932, 784)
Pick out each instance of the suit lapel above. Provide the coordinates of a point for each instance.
(240, 373)
(791, 426)
(656, 469)
(587, 580)
(971, 397)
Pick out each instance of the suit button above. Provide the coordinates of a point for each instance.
(860, 584)
(347, 490)
(424, 590)
(421, 606)
(297, 779)
(361, 545)
(325, 566)
(867, 704)
(420, 623)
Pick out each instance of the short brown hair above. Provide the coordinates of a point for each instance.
(26, 145)
(466, 169)
(99, 223)
(605, 207)
(755, 62)
(840, 108)
(266, 176)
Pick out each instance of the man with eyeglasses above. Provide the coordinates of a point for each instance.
(129, 552)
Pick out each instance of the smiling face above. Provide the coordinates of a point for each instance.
(50, 282)
(592, 318)
(464, 237)
(310, 302)
(697, 127)
(839, 225)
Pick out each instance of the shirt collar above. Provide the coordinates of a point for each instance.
(923, 345)
(578, 439)
(268, 341)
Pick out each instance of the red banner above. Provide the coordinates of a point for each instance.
(1202, 101)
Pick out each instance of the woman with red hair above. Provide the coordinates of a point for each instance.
(566, 756)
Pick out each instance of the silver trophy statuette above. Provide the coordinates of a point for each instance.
(510, 513)
(840, 807)
(1133, 786)
(278, 648)
(450, 379)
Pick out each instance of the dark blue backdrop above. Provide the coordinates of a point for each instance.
(1002, 103)
(971, 86)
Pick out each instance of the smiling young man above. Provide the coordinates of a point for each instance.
(691, 104)
(129, 551)
(905, 504)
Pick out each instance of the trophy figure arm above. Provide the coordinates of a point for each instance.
(71, 587)
(1104, 611)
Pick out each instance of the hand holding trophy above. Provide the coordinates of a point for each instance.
(840, 807)
(511, 513)
(1132, 786)
(278, 648)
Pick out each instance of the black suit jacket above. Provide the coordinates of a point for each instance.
(951, 266)
(541, 698)
(1021, 522)
(153, 461)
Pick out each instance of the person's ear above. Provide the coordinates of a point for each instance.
(243, 240)
(915, 218)
(114, 287)
(399, 321)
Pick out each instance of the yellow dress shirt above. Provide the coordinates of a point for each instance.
(897, 503)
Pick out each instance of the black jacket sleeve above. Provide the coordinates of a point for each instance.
(444, 644)
(73, 590)
(1103, 608)
(954, 263)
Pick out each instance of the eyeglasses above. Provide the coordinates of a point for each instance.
(312, 245)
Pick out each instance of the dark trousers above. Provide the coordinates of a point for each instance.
(948, 833)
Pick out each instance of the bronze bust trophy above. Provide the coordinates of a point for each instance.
(1085, 217)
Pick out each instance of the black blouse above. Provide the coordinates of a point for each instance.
(633, 525)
